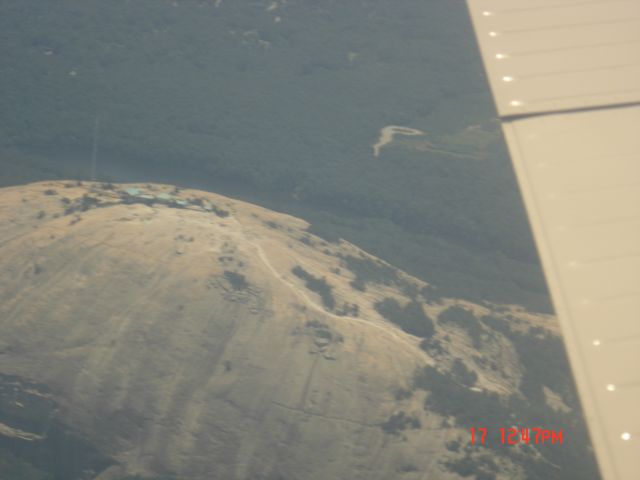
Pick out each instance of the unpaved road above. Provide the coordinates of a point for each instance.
(387, 133)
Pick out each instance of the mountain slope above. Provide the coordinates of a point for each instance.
(181, 332)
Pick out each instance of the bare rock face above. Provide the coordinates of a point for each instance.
(168, 330)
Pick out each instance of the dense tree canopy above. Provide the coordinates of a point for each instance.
(281, 106)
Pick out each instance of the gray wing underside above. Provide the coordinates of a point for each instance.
(565, 75)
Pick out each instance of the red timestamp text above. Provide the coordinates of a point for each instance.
(515, 436)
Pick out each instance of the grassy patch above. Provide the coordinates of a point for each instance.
(367, 270)
(400, 421)
(237, 280)
(318, 285)
(464, 319)
(411, 318)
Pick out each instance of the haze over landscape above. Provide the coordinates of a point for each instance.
(303, 254)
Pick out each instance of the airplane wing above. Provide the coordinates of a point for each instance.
(565, 76)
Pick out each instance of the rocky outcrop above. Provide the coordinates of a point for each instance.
(169, 333)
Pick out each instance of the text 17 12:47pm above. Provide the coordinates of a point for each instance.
(515, 436)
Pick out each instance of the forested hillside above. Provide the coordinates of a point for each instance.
(280, 102)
